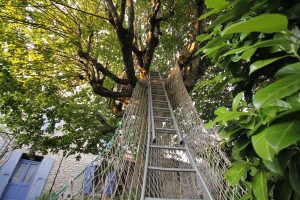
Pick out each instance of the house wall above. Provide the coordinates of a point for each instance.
(69, 168)
(62, 171)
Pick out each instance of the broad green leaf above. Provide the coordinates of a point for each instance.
(243, 7)
(211, 52)
(282, 190)
(294, 175)
(227, 135)
(265, 23)
(225, 115)
(219, 4)
(236, 50)
(272, 42)
(222, 18)
(292, 47)
(262, 63)
(262, 147)
(249, 124)
(247, 54)
(261, 44)
(213, 11)
(277, 90)
(289, 70)
(274, 166)
(282, 135)
(201, 37)
(236, 101)
(280, 104)
(259, 184)
(249, 194)
(294, 100)
(237, 172)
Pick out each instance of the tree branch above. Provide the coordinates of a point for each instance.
(152, 39)
(163, 18)
(130, 16)
(102, 121)
(126, 39)
(85, 12)
(122, 14)
(114, 15)
(101, 68)
(139, 56)
(90, 43)
(104, 92)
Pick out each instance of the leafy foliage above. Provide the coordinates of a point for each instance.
(60, 58)
(256, 45)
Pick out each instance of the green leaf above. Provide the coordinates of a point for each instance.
(236, 101)
(262, 63)
(239, 146)
(292, 47)
(222, 18)
(272, 42)
(225, 115)
(262, 147)
(249, 194)
(294, 175)
(274, 166)
(228, 135)
(259, 185)
(247, 54)
(261, 44)
(213, 50)
(282, 191)
(237, 172)
(265, 23)
(289, 70)
(201, 37)
(294, 100)
(282, 135)
(213, 11)
(219, 4)
(277, 90)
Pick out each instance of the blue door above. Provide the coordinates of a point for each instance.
(20, 182)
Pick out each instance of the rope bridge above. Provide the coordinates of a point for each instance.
(160, 151)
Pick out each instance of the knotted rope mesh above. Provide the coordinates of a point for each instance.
(117, 173)
(203, 144)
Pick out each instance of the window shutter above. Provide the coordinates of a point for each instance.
(111, 183)
(40, 178)
(89, 175)
(6, 171)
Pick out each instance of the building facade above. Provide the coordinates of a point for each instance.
(25, 177)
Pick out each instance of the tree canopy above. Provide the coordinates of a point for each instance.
(64, 64)
(68, 63)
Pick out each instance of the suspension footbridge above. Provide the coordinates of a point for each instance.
(160, 150)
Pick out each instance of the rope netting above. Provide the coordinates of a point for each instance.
(203, 145)
(118, 172)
